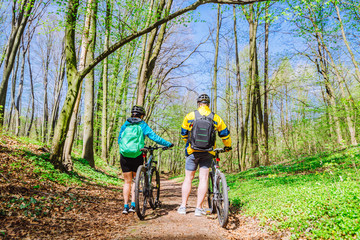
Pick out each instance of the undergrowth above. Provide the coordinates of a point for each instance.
(316, 197)
(82, 173)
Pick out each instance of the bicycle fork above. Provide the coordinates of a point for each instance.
(216, 190)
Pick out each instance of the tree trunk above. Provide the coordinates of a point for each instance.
(144, 42)
(146, 72)
(266, 78)
(13, 90)
(254, 160)
(104, 147)
(228, 98)
(239, 105)
(214, 83)
(57, 93)
(88, 138)
(20, 90)
(85, 47)
(46, 62)
(32, 97)
(74, 82)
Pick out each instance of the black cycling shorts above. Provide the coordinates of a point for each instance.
(131, 164)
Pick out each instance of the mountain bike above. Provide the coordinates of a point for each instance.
(147, 183)
(217, 196)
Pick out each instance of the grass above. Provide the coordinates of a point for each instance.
(315, 198)
(103, 175)
(81, 174)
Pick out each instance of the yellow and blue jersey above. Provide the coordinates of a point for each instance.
(219, 124)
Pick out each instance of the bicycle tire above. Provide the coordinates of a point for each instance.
(222, 204)
(210, 193)
(154, 188)
(141, 194)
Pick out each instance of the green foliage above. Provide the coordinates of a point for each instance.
(82, 173)
(30, 140)
(314, 197)
(46, 171)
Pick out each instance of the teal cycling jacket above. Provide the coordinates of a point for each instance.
(147, 131)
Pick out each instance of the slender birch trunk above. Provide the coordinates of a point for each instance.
(214, 83)
(20, 90)
(266, 79)
(57, 94)
(239, 105)
(104, 137)
(28, 129)
(46, 62)
(13, 90)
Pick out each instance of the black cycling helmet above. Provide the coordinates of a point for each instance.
(138, 109)
(203, 98)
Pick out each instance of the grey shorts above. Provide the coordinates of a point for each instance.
(203, 159)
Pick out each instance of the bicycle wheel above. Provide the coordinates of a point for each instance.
(210, 193)
(141, 195)
(222, 200)
(154, 188)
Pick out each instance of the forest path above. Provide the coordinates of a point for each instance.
(32, 207)
(165, 223)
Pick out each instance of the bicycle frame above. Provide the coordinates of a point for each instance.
(215, 169)
(148, 165)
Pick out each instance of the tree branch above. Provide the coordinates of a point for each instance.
(135, 35)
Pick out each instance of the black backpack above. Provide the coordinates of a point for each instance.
(202, 135)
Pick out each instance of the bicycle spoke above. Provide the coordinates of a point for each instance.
(155, 188)
(222, 205)
(140, 192)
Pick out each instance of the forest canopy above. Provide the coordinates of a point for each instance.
(284, 75)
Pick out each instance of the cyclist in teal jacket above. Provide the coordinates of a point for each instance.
(129, 165)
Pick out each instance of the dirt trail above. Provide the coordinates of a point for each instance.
(35, 209)
(166, 223)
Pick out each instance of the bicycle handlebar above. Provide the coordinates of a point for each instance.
(149, 148)
(221, 150)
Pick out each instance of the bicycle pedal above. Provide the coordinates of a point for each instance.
(155, 162)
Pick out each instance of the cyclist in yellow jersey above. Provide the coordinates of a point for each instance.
(195, 158)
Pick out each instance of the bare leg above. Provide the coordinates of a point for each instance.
(133, 187)
(203, 186)
(186, 186)
(127, 186)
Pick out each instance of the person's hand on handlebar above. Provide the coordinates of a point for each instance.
(227, 149)
(165, 148)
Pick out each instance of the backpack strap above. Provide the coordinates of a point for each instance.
(197, 114)
(211, 116)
